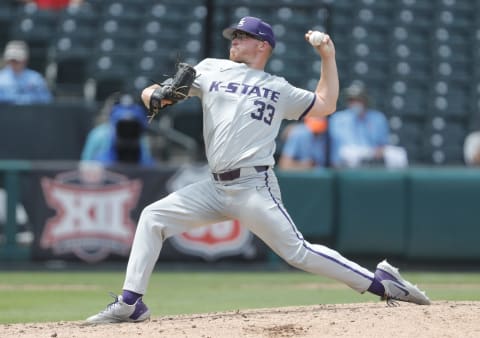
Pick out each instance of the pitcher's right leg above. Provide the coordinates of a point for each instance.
(195, 205)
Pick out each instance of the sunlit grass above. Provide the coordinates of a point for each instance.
(59, 296)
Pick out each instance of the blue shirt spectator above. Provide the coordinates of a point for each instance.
(19, 84)
(305, 146)
(357, 133)
(120, 140)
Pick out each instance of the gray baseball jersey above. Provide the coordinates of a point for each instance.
(243, 109)
(235, 95)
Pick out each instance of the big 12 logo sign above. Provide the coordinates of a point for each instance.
(92, 217)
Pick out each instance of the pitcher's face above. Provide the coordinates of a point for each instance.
(244, 47)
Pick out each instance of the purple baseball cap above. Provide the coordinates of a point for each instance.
(254, 26)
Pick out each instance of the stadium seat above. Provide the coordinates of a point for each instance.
(127, 11)
(172, 12)
(443, 142)
(448, 155)
(107, 73)
(118, 28)
(474, 119)
(7, 17)
(70, 49)
(160, 23)
(149, 67)
(450, 99)
(36, 27)
(454, 17)
(341, 20)
(376, 17)
(407, 99)
(98, 5)
(420, 18)
(407, 43)
(409, 69)
(67, 66)
(407, 133)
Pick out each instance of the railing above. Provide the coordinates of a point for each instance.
(10, 172)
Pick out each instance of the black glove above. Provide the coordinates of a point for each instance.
(174, 89)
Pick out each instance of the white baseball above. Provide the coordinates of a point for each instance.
(316, 38)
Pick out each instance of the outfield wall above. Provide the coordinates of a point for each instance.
(415, 213)
(418, 213)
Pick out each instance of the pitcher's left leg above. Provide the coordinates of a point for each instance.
(264, 214)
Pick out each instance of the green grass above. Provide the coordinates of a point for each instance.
(60, 296)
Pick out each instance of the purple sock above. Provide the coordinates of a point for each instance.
(130, 297)
(377, 288)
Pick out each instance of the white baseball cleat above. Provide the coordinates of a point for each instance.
(397, 288)
(120, 312)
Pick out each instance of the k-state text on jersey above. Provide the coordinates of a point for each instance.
(244, 89)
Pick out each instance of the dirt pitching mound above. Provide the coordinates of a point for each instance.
(441, 319)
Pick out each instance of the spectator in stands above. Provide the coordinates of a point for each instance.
(19, 84)
(122, 138)
(358, 134)
(471, 149)
(305, 146)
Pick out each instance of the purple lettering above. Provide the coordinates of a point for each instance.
(245, 88)
(232, 87)
(266, 92)
(214, 86)
(255, 90)
(275, 96)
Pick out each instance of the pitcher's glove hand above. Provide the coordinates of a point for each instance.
(174, 89)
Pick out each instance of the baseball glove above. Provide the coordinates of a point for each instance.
(173, 89)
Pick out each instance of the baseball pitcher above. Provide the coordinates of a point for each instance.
(243, 107)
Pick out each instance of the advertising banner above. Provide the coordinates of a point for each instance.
(88, 213)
